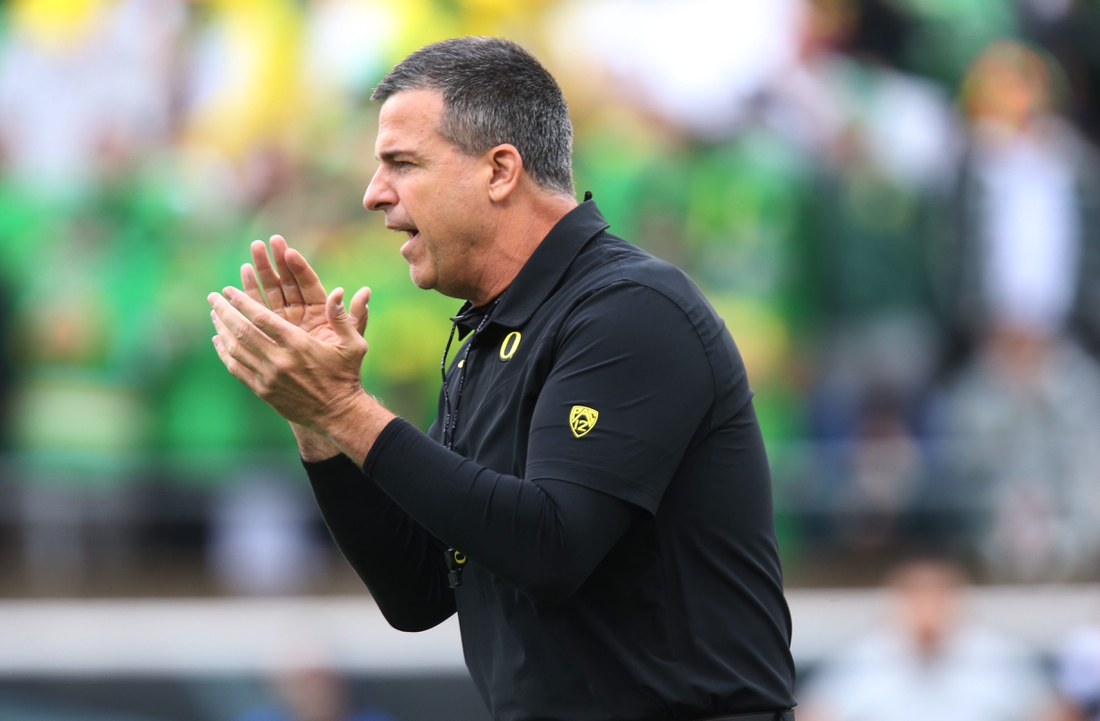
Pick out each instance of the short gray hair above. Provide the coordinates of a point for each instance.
(494, 92)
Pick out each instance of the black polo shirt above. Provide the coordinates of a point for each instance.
(607, 368)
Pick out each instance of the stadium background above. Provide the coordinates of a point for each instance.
(892, 203)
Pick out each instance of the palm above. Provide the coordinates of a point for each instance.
(311, 318)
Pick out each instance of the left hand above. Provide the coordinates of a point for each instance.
(308, 380)
(294, 291)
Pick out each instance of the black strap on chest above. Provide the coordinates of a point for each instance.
(456, 559)
(450, 412)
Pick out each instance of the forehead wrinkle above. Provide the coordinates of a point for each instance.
(411, 143)
(415, 114)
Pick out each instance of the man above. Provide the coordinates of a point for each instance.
(928, 662)
(594, 498)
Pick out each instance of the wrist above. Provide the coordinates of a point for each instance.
(313, 446)
(353, 427)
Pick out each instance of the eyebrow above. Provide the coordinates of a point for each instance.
(393, 155)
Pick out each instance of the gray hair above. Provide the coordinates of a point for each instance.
(494, 92)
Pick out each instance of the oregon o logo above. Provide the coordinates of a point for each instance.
(510, 345)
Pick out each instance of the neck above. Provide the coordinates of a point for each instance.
(516, 237)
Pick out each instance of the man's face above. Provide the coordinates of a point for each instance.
(433, 192)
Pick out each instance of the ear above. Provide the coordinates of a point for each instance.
(507, 166)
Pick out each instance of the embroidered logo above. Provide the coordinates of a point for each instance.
(582, 419)
(510, 345)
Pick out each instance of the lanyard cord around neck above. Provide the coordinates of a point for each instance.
(457, 559)
(450, 414)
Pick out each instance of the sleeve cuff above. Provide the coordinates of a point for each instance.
(336, 470)
(329, 464)
(397, 434)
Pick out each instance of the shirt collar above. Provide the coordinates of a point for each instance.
(469, 316)
(540, 274)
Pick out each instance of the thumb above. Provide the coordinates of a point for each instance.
(338, 316)
(358, 310)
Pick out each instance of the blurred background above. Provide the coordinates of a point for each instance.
(894, 204)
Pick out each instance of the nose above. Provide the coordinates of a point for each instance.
(380, 194)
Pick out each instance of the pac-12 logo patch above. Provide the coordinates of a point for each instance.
(582, 419)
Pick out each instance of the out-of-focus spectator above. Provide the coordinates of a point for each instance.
(842, 101)
(927, 663)
(85, 86)
(793, 157)
(1078, 675)
(87, 328)
(1030, 226)
(696, 63)
(885, 144)
(1024, 293)
(312, 693)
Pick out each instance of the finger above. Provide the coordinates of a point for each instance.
(339, 319)
(229, 343)
(250, 285)
(234, 367)
(248, 315)
(308, 282)
(292, 294)
(268, 277)
(359, 311)
(241, 327)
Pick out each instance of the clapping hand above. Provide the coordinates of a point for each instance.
(294, 292)
(301, 351)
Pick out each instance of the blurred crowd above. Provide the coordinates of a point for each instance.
(894, 204)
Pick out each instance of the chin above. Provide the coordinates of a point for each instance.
(421, 280)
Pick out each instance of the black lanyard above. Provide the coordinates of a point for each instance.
(457, 559)
(450, 415)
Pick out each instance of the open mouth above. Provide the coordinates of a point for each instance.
(410, 231)
(406, 247)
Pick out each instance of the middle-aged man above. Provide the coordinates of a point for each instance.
(594, 498)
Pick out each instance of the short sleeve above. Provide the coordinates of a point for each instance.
(628, 389)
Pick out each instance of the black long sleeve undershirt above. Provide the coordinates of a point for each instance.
(400, 562)
(545, 537)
